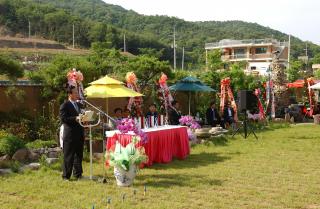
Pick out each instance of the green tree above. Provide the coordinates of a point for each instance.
(151, 52)
(316, 59)
(294, 71)
(54, 75)
(10, 67)
(147, 69)
(214, 60)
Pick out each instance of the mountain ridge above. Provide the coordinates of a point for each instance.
(97, 21)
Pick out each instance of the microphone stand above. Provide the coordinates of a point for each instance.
(100, 112)
(90, 139)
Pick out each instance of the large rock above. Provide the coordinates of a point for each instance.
(5, 171)
(32, 166)
(202, 132)
(217, 131)
(53, 154)
(5, 158)
(5, 161)
(33, 156)
(49, 152)
(21, 155)
(51, 161)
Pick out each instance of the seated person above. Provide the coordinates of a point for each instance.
(152, 112)
(228, 114)
(213, 116)
(174, 113)
(126, 113)
(118, 114)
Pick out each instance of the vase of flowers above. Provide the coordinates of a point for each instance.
(126, 159)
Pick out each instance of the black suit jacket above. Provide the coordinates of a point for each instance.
(226, 114)
(174, 116)
(72, 131)
(209, 116)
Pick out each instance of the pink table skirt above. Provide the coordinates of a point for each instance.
(162, 145)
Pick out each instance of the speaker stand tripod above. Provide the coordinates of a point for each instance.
(247, 129)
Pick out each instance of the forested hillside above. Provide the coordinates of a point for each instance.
(96, 21)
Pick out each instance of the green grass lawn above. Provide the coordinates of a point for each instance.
(280, 170)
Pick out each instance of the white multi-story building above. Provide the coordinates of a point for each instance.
(258, 53)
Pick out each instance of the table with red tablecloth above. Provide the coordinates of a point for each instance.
(163, 143)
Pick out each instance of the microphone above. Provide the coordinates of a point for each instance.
(85, 102)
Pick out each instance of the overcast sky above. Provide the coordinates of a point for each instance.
(300, 18)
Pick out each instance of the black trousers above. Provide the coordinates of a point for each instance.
(73, 155)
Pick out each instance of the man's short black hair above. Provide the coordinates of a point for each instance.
(174, 102)
(212, 103)
(117, 109)
(69, 89)
(152, 105)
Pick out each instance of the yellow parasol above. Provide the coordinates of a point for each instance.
(107, 87)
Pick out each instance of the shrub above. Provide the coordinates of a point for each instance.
(3, 134)
(10, 144)
(20, 129)
(15, 166)
(43, 161)
(40, 144)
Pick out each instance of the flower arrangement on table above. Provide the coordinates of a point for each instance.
(192, 125)
(125, 160)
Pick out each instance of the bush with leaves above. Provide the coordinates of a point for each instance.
(4, 133)
(10, 144)
(40, 144)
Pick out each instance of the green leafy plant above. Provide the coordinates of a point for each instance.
(15, 166)
(86, 155)
(43, 161)
(19, 129)
(3, 134)
(40, 144)
(10, 144)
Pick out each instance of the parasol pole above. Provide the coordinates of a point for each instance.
(189, 101)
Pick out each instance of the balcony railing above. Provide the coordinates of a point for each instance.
(227, 42)
(245, 56)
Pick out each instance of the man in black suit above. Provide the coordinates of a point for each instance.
(228, 114)
(213, 116)
(174, 114)
(73, 135)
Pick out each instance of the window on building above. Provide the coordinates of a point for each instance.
(261, 50)
(253, 68)
(239, 51)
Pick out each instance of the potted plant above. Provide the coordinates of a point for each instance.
(126, 159)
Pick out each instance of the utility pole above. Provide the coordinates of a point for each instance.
(73, 36)
(289, 48)
(124, 43)
(29, 29)
(182, 63)
(174, 48)
(306, 49)
(307, 58)
(206, 59)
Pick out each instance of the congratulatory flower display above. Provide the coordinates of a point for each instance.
(133, 153)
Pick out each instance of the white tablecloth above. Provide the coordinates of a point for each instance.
(111, 133)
